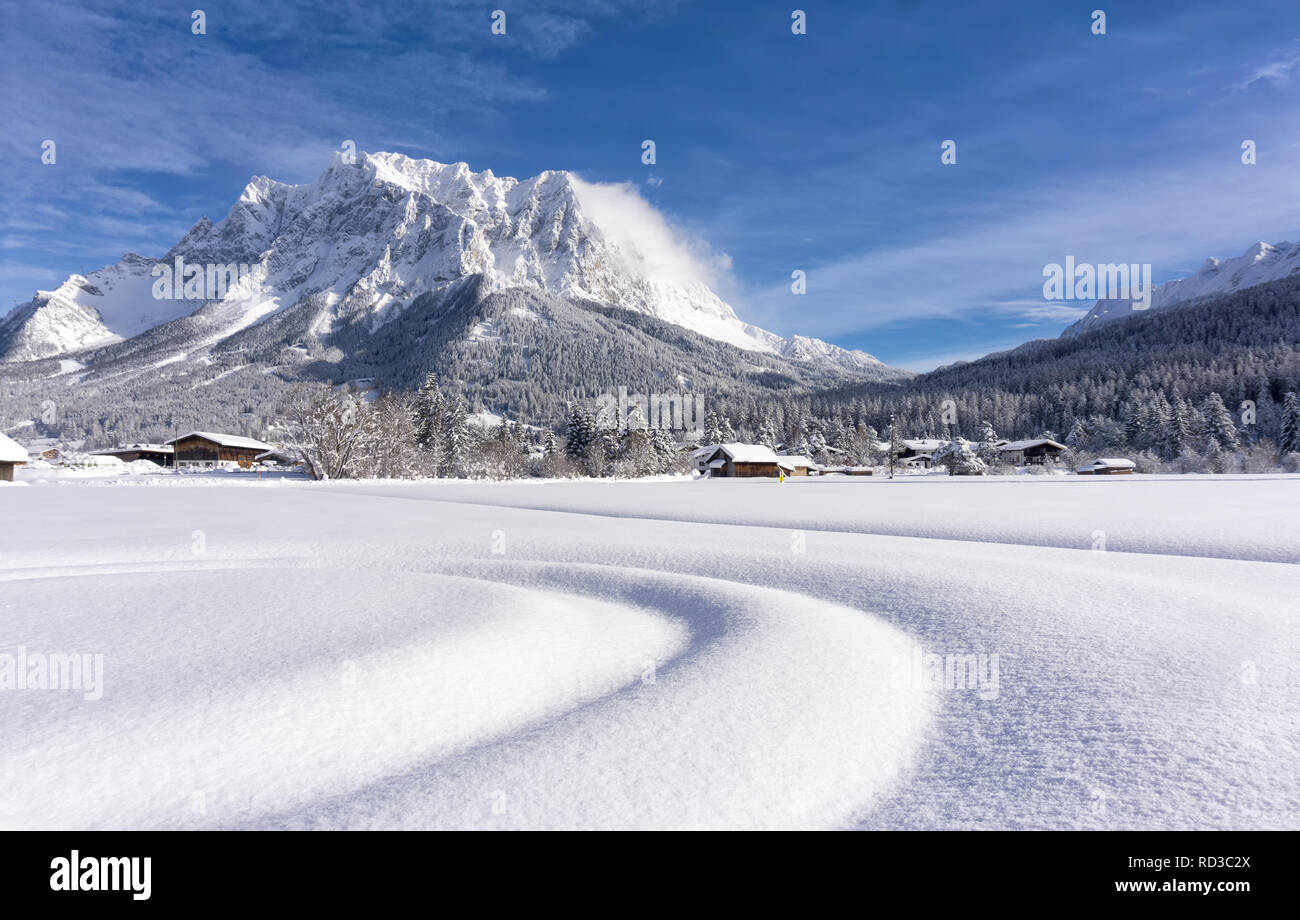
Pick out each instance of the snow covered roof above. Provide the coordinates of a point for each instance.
(1102, 463)
(11, 451)
(151, 448)
(1032, 442)
(225, 440)
(794, 460)
(925, 444)
(739, 453)
(749, 453)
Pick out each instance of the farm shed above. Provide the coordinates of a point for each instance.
(1107, 466)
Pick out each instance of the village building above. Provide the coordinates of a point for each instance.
(1033, 452)
(847, 470)
(161, 454)
(738, 460)
(919, 452)
(279, 457)
(12, 455)
(207, 449)
(1107, 466)
(798, 465)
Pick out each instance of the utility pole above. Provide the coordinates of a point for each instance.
(891, 446)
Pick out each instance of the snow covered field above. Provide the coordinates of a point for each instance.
(656, 654)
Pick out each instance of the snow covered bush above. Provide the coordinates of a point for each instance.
(1147, 462)
(960, 459)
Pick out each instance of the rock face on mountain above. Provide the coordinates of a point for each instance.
(330, 264)
(1260, 264)
(52, 323)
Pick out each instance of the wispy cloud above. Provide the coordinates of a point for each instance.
(1277, 71)
(1167, 217)
(132, 98)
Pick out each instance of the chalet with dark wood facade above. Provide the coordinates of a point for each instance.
(738, 460)
(208, 448)
(1033, 452)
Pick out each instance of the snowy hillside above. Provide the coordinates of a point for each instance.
(586, 665)
(1260, 263)
(357, 247)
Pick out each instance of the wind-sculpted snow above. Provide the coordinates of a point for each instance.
(1237, 517)
(443, 655)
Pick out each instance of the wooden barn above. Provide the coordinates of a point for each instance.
(797, 465)
(161, 454)
(737, 460)
(12, 455)
(1107, 466)
(207, 448)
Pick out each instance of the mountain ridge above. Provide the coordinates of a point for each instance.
(371, 235)
(1261, 263)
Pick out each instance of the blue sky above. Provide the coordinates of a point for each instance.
(818, 152)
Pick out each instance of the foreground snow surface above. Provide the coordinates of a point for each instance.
(666, 654)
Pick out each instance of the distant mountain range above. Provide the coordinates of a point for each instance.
(1260, 264)
(333, 264)
(521, 295)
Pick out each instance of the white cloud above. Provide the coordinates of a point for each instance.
(653, 247)
(1275, 71)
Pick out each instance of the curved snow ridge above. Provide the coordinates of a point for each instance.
(255, 710)
(476, 694)
(782, 712)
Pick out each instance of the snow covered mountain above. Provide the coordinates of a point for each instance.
(1261, 263)
(339, 259)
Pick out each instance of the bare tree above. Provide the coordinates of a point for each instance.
(335, 434)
